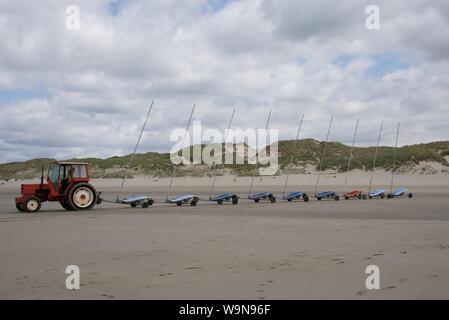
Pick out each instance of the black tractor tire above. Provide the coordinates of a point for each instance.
(150, 202)
(360, 196)
(346, 198)
(179, 203)
(289, 200)
(365, 197)
(145, 204)
(305, 197)
(133, 204)
(235, 200)
(389, 196)
(220, 201)
(75, 203)
(410, 195)
(66, 206)
(273, 199)
(32, 205)
(318, 198)
(337, 198)
(382, 196)
(19, 207)
(256, 200)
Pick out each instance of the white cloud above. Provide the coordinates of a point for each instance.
(99, 80)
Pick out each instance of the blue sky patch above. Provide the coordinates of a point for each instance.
(343, 60)
(385, 64)
(216, 5)
(115, 6)
(18, 95)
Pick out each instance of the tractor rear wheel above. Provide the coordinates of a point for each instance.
(66, 206)
(19, 207)
(82, 196)
(33, 204)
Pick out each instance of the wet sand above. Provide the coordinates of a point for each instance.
(285, 250)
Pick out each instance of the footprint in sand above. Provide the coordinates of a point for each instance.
(389, 288)
(338, 260)
(144, 254)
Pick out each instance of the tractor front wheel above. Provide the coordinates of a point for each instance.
(33, 204)
(82, 196)
(235, 200)
(305, 197)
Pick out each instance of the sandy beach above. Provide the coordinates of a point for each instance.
(285, 250)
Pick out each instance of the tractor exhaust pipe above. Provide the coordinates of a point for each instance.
(42, 178)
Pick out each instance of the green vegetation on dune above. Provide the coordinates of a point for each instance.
(306, 152)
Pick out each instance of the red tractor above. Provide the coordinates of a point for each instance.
(67, 182)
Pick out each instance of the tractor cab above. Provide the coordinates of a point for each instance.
(61, 175)
(67, 183)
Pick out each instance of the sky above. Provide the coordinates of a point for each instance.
(84, 92)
